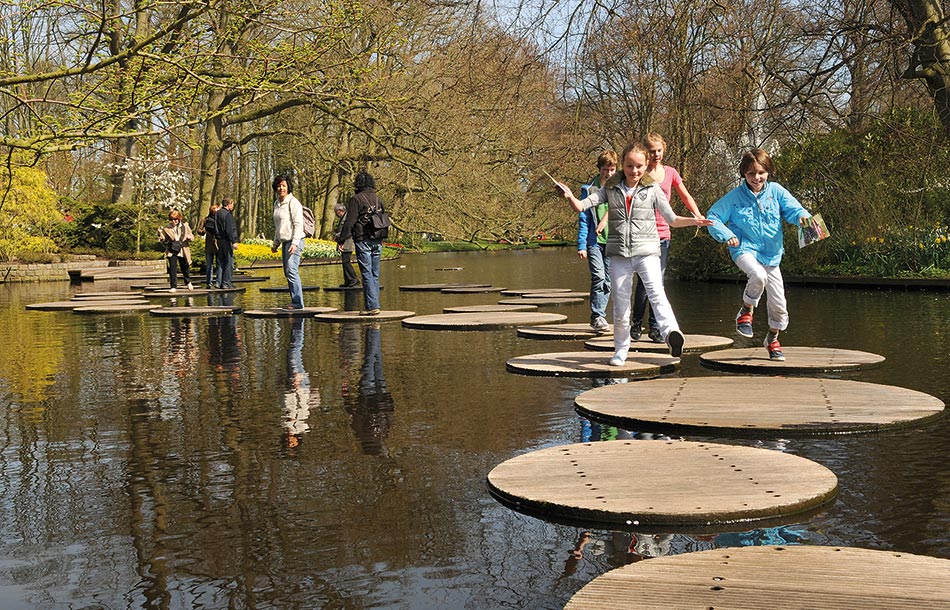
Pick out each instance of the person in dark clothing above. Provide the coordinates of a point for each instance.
(369, 246)
(225, 237)
(207, 228)
(350, 280)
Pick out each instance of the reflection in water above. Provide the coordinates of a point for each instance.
(179, 362)
(371, 409)
(299, 397)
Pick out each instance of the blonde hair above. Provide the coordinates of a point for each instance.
(654, 137)
(634, 147)
(174, 215)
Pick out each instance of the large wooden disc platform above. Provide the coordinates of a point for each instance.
(547, 301)
(662, 484)
(556, 295)
(98, 308)
(774, 577)
(107, 295)
(385, 315)
(184, 292)
(481, 321)
(756, 405)
(591, 364)
(74, 303)
(559, 332)
(438, 287)
(279, 312)
(471, 289)
(517, 292)
(487, 308)
(797, 360)
(286, 289)
(188, 312)
(694, 343)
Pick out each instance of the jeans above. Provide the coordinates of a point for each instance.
(767, 280)
(210, 256)
(225, 258)
(599, 281)
(368, 255)
(640, 297)
(291, 265)
(623, 269)
(179, 262)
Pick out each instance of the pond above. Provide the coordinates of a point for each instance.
(256, 463)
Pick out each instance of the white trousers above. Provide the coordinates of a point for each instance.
(622, 270)
(768, 280)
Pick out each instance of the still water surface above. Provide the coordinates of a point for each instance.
(244, 463)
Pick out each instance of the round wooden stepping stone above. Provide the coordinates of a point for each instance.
(105, 295)
(449, 268)
(187, 312)
(559, 332)
(471, 289)
(286, 289)
(591, 364)
(113, 309)
(774, 577)
(517, 292)
(385, 315)
(556, 295)
(278, 312)
(752, 405)
(668, 484)
(436, 287)
(542, 301)
(343, 288)
(69, 305)
(486, 308)
(797, 360)
(248, 278)
(694, 343)
(184, 292)
(481, 321)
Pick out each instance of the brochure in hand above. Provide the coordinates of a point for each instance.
(815, 231)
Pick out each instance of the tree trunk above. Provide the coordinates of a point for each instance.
(930, 61)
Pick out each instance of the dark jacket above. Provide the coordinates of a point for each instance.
(358, 211)
(225, 227)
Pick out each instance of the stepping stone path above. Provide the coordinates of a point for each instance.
(674, 485)
(471, 289)
(694, 343)
(113, 309)
(488, 308)
(774, 577)
(437, 287)
(73, 304)
(590, 364)
(188, 312)
(790, 406)
(797, 360)
(547, 301)
(385, 315)
(561, 332)
(480, 321)
(286, 289)
(517, 292)
(279, 312)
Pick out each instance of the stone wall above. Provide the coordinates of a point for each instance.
(60, 272)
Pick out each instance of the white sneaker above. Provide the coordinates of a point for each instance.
(618, 359)
(172, 290)
(600, 324)
(191, 286)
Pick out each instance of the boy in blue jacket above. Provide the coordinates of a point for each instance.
(592, 245)
(749, 220)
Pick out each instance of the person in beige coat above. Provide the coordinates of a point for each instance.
(177, 237)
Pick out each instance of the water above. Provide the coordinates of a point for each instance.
(245, 463)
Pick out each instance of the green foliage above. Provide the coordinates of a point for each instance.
(28, 212)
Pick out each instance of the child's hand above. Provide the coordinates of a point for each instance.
(733, 242)
(562, 189)
(703, 222)
(805, 221)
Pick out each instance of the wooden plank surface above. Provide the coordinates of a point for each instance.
(548, 301)
(560, 332)
(481, 321)
(756, 405)
(471, 289)
(277, 312)
(694, 343)
(776, 578)
(591, 364)
(487, 308)
(385, 315)
(187, 312)
(668, 484)
(797, 360)
(517, 292)
(113, 309)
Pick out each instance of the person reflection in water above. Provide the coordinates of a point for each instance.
(299, 396)
(371, 410)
